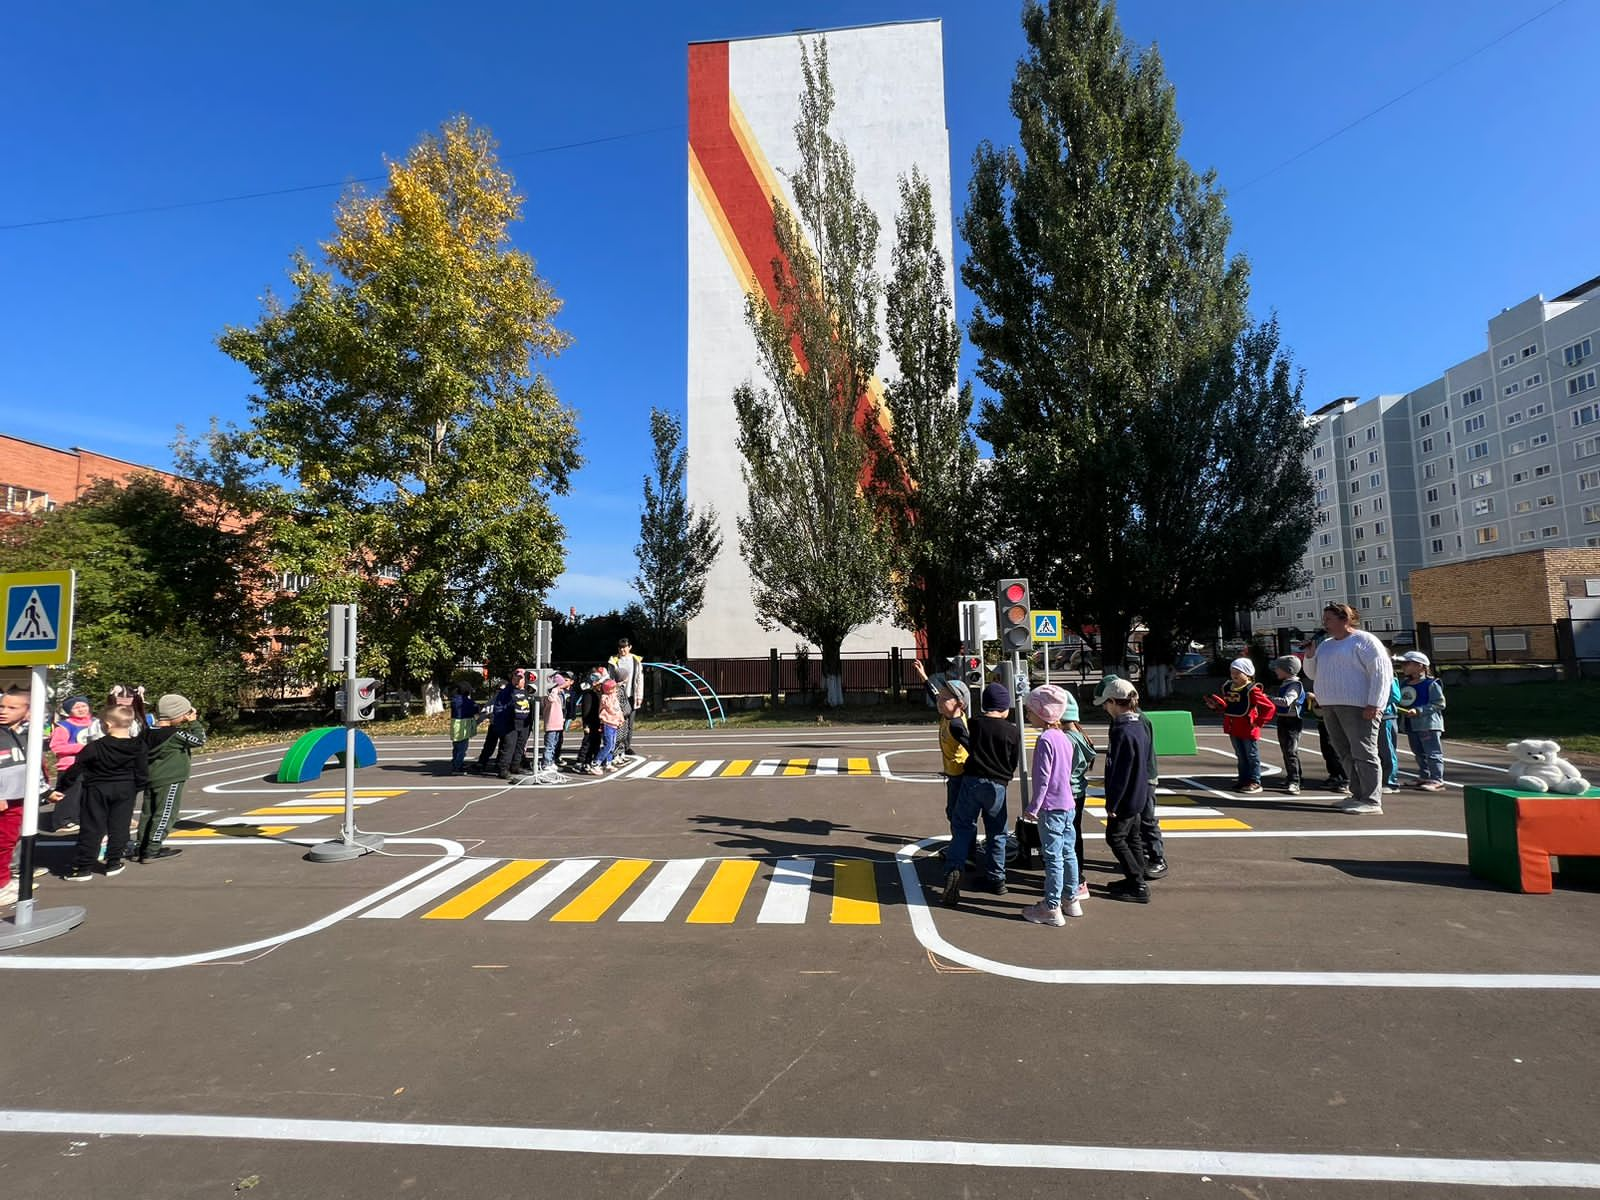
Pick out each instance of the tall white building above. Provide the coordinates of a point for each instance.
(1501, 453)
(744, 101)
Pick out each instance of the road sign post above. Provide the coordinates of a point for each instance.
(1046, 628)
(37, 606)
(352, 843)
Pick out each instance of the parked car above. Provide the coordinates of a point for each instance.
(1191, 664)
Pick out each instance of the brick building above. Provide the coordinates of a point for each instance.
(34, 476)
(1520, 596)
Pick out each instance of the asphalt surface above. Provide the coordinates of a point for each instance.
(721, 980)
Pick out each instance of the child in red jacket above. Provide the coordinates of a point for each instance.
(1245, 708)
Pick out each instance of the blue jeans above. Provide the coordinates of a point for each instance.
(1060, 858)
(985, 798)
(552, 746)
(458, 756)
(1388, 752)
(1249, 753)
(1428, 746)
(608, 745)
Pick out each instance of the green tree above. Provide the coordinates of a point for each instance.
(820, 552)
(405, 444)
(1113, 330)
(677, 545)
(937, 517)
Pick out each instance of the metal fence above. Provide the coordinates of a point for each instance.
(1566, 642)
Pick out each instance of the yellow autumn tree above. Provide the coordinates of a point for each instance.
(400, 426)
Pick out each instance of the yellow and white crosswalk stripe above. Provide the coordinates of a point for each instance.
(717, 768)
(1178, 814)
(525, 889)
(284, 816)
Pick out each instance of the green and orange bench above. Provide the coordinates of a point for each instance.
(1512, 836)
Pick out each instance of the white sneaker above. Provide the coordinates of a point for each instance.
(1081, 894)
(1039, 914)
(8, 894)
(1360, 807)
(1074, 908)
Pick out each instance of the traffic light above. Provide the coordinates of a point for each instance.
(1014, 612)
(363, 705)
(972, 670)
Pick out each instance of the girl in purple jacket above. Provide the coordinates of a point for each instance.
(1052, 806)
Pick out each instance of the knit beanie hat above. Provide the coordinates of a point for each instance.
(172, 706)
(70, 701)
(1289, 662)
(996, 698)
(1047, 703)
(1244, 666)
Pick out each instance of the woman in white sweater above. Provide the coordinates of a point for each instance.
(1351, 673)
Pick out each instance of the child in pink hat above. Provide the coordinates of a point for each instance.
(1052, 806)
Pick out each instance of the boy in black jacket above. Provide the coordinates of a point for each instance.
(114, 770)
(1127, 789)
(994, 747)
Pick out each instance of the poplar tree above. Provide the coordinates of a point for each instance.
(1148, 433)
(821, 553)
(402, 433)
(677, 545)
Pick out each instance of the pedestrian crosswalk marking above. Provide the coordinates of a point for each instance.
(768, 766)
(543, 891)
(1221, 823)
(645, 770)
(600, 895)
(859, 766)
(485, 890)
(298, 810)
(736, 768)
(677, 768)
(706, 769)
(827, 766)
(855, 893)
(359, 793)
(788, 893)
(719, 903)
(663, 892)
(429, 889)
(531, 888)
(797, 766)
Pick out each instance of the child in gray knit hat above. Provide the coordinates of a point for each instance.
(1289, 697)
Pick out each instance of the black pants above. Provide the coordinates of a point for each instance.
(1150, 831)
(1289, 743)
(491, 746)
(69, 807)
(1126, 841)
(590, 750)
(107, 813)
(513, 746)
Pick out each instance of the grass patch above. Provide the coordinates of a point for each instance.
(1496, 714)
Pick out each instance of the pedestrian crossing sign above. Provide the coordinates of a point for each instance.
(38, 618)
(1047, 624)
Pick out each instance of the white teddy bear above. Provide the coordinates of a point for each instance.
(1537, 766)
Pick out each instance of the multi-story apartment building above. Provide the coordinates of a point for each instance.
(1501, 453)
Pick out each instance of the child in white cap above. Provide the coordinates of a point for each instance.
(1422, 713)
(1051, 806)
(1245, 708)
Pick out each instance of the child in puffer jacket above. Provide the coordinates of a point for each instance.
(1245, 708)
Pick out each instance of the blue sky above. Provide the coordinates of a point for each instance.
(1383, 252)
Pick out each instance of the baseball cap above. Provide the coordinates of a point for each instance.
(960, 691)
(1416, 656)
(1115, 689)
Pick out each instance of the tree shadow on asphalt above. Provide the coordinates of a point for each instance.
(1433, 874)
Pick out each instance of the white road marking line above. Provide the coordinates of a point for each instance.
(538, 895)
(663, 892)
(1098, 808)
(927, 932)
(706, 769)
(1120, 1160)
(827, 766)
(430, 890)
(274, 819)
(648, 769)
(768, 766)
(788, 894)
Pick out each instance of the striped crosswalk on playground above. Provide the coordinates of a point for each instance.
(756, 768)
(691, 891)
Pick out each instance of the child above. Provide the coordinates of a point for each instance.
(1051, 806)
(14, 705)
(67, 740)
(555, 719)
(994, 747)
(1388, 747)
(177, 735)
(1422, 708)
(1245, 709)
(611, 719)
(113, 770)
(951, 700)
(1083, 756)
(1155, 847)
(1289, 698)
(463, 724)
(1127, 789)
(589, 749)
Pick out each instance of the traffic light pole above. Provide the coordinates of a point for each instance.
(351, 844)
(1019, 691)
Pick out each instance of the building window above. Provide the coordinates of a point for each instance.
(1366, 602)
(1487, 534)
(1383, 575)
(1534, 380)
(1362, 580)
(1580, 383)
(1355, 487)
(1508, 360)
(1511, 389)
(1535, 410)
(1322, 474)
(290, 581)
(1427, 445)
(1481, 478)
(1316, 452)
(1361, 556)
(1518, 476)
(1322, 495)
(1588, 414)
(1542, 470)
(1372, 433)
(1470, 397)
(1328, 584)
(1483, 507)
(1527, 535)
(1477, 451)
(1474, 424)
(24, 500)
(1377, 505)
(1437, 545)
(1355, 510)
(1550, 531)
(1577, 352)
(1326, 562)
(1379, 528)
(1435, 520)
(1530, 351)
(1591, 514)
(1547, 501)
(1350, 442)
(1430, 470)
(1425, 420)
(1539, 439)
(1433, 495)
(1375, 481)
(1383, 551)
(1386, 600)
(1588, 481)
(1513, 418)
(1361, 533)
(1325, 539)
(1372, 458)
(1516, 447)
(1586, 447)
(1522, 506)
